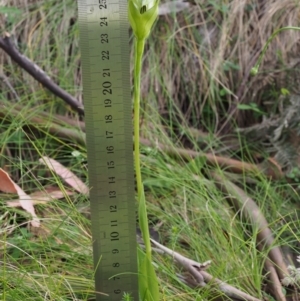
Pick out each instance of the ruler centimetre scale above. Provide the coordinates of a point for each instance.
(104, 43)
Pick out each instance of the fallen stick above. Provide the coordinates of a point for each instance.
(228, 164)
(274, 283)
(197, 270)
(38, 74)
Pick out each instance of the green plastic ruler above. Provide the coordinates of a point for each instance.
(104, 43)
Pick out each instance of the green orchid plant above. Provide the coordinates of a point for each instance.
(142, 15)
(255, 69)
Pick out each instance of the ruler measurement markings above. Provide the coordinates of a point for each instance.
(110, 163)
(107, 136)
(114, 195)
(109, 118)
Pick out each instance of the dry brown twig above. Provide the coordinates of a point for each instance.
(45, 121)
(274, 284)
(229, 164)
(38, 74)
(197, 270)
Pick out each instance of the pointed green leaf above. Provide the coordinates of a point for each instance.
(148, 283)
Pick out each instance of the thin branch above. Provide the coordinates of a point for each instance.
(231, 165)
(37, 73)
(274, 283)
(9, 85)
(190, 265)
(44, 121)
(197, 270)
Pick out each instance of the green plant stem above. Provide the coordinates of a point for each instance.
(274, 34)
(148, 283)
(139, 49)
